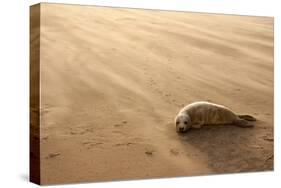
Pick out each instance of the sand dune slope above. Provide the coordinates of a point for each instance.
(112, 81)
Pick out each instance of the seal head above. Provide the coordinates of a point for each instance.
(183, 123)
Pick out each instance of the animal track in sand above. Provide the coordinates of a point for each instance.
(166, 96)
(124, 144)
(120, 124)
(268, 138)
(81, 131)
(149, 152)
(52, 155)
(90, 145)
(122, 133)
(174, 151)
(178, 78)
(45, 138)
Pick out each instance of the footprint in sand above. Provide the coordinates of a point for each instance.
(90, 145)
(120, 132)
(268, 138)
(123, 144)
(149, 152)
(52, 155)
(45, 138)
(73, 133)
(81, 131)
(178, 77)
(120, 124)
(174, 151)
(167, 94)
(88, 130)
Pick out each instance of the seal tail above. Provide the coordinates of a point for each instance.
(247, 117)
(243, 123)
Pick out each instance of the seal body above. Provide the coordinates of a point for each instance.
(201, 113)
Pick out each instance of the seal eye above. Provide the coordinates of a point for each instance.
(177, 122)
(185, 122)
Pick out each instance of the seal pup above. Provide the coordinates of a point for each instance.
(197, 114)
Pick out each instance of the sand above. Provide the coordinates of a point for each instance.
(113, 79)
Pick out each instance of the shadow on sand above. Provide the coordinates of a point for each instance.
(226, 149)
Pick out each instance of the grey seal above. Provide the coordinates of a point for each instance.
(197, 114)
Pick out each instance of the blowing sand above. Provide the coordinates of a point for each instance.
(112, 81)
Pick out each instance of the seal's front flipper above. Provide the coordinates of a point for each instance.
(196, 126)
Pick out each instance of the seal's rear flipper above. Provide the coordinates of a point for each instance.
(243, 123)
(247, 117)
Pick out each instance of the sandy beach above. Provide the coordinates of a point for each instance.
(113, 80)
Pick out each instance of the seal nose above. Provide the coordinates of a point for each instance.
(181, 129)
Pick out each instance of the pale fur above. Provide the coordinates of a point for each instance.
(201, 113)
